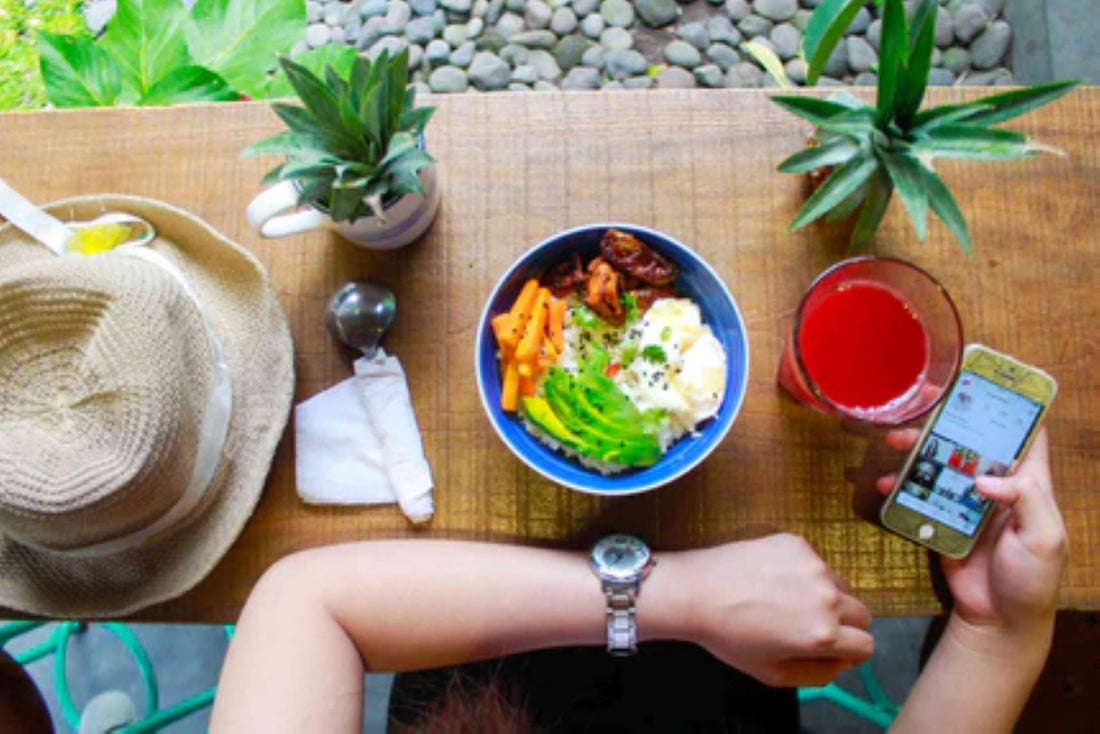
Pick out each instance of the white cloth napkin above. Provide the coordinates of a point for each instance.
(358, 443)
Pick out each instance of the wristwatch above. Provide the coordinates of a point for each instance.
(621, 562)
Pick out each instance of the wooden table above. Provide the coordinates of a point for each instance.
(699, 165)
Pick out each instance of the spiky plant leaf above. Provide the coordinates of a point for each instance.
(836, 188)
(874, 209)
(943, 203)
(824, 31)
(905, 174)
(832, 153)
(893, 59)
(918, 64)
(1004, 106)
(810, 109)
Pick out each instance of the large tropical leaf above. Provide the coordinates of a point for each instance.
(835, 190)
(824, 30)
(188, 84)
(77, 73)
(242, 39)
(146, 38)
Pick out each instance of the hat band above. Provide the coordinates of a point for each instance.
(213, 432)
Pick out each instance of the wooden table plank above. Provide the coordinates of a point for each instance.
(698, 165)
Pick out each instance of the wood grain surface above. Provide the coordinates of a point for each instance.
(700, 166)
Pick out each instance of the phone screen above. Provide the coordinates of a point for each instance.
(980, 431)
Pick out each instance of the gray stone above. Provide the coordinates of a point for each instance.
(785, 37)
(874, 33)
(488, 71)
(865, 79)
(766, 43)
(298, 49)
(592, 26)
(96, 15)
(970, 20)
(480, 9)
(514, 55)
(859, 23)
(992, 8)
(474, 27)
(421, 88)
(315, 12)
(738, 10)
(721, 30)
(801, 19)
(957, 60)
(828, 81)
(582, 77)
(455, 35)
(391, 45)
(457, 6)
(615, 38)
(397, 17)
(695, 34)
(837, 65)
(537, 14)
(987, 78)
(945, 28)
(989, 49)
(439, 20)
(509, 25)
(723, 55)
(796, 70)
(676, 78)
(775, 9)
(372, 30)
(352, 28)
(570, 50)
(517, 87)
(754, 26)
(438, 53)
(940, 78)
(744, 75)
(638, 82)
(861, 57)
(1006, 81)
(563, 21)
(317, 35)
(541, 86)
(584, 8)
(338, 35)
(657, 13)
(545, 65)
(622, 63)
(420, 30)
(464, 55)
(525, 74)
(595, 57)
(709, 75)
(491, 41)
(681, 53)
(372, 8)
(448, 79)
(535, 39)
(617, 13)
(416, 56)
(937, 57)
(496, 9)
(516, 6)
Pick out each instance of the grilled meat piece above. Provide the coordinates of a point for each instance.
(605, 290)
(647, 295)
(566, 277)
(631, 256)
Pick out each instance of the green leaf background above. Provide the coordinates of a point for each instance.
(77, 72)
(146, 38)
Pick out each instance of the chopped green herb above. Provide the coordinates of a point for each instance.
(654, 353)
(630, 302)
(628, 354)
(584, 318)
(666, 333)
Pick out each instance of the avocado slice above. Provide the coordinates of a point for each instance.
(539, 412)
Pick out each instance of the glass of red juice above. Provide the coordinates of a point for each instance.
(875, 339)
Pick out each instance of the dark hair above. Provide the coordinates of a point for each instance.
(455, 702)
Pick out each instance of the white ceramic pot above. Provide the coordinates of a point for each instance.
(406, 218)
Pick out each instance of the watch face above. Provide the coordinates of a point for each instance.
(620, 557)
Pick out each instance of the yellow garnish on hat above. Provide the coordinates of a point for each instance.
(98, 238)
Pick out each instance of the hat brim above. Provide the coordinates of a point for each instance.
(252, 326)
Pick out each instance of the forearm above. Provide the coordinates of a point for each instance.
(977, 679)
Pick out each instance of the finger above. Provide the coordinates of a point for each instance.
(850, 643)
(902, 439)
(839, 581)
(809, 672)
(886, 484)
(1036, 461)
(854, 613)
(1037, 520)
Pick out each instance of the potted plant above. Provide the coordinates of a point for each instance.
(868, 151)
(354, 152)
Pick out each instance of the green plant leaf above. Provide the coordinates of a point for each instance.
(824, 31)
(188, 84)
(919, 63)
(893, 59)
(944, 115)
(943, 203)
(858, 124)
(77, 73)
(1006, 105)
(812, 109)
(906, 176)
(842, 210)
(836, 188)
(874, 209)
(769, 61)
(833, 153)
(241, 39)
(969, 142)
(338, 56)
(324, 107)
(146, 38)
(416, 119)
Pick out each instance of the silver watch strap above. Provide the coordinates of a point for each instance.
(622, 627)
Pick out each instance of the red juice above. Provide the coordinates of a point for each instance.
(863, 345)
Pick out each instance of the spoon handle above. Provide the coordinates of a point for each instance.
(32, 220)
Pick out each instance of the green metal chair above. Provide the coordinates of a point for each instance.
(56, 644)
(879, 710)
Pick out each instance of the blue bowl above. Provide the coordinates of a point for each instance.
(697, 280)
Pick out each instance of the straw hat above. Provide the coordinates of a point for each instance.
(141, 400)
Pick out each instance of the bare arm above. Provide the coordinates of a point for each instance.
(318, 619)
(997, 639)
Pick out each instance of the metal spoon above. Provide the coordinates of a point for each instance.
(359, 314)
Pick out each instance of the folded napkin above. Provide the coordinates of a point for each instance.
(358, 443)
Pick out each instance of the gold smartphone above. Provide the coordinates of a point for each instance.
(983, 427)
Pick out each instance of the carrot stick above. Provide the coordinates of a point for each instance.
(527, 386)
(510, 392)
(525, 301)
(506, 332)
(556, 324)
(551, 352)
(528, 348)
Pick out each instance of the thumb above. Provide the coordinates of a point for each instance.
(1033, 513)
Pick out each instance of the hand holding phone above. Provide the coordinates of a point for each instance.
(1011, 577)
